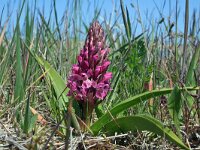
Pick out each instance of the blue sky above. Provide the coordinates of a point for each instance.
(108, 8)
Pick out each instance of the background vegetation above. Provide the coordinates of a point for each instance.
(155, 85)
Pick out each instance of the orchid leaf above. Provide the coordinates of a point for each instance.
(125, 104)
(141, 123)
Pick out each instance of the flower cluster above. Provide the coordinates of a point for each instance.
(89, 80)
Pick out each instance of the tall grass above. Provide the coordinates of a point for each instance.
(37, 53)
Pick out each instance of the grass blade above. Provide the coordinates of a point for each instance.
(174, 107)
(125, 20)
(190, 79)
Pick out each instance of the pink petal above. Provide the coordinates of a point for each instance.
(84, 76)
(92, 48)
(85, 54)
(73, 86)
(89, 73)
(105, 66)
(97, 71)
(95, 57)
(107, 76)
(100, 94)
(94, 84)
(80, 59)
(75, 69)
(75, 77)
(103, 52)
(102, 90)
(100, 44)
(87, 84)
(69, 93)
(83, 92)
(85, 64)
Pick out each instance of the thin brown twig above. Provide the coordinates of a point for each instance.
(58, 124)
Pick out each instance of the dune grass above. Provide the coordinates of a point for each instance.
(37, 52)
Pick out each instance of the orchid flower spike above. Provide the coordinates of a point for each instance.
(89, 81)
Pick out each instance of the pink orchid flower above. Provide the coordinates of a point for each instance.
(89, 80)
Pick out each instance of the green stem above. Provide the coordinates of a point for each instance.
(87, 110)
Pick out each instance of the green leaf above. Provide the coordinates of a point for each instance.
(126, 20)
(174, 107)
(125, 104)
(112, 95)
(19, 86)
(190, 78)
(32, 122)
(141, 123)
(129, 22)
(27, 115)
(57, 82)
(99, 110)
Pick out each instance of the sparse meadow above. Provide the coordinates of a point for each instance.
(117, 80)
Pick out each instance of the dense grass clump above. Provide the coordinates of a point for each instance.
(154, 98)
